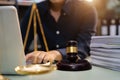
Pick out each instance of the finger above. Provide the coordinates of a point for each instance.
(48, 58)
(36, 57)
(45, 59)
(29, 56)
(41, 57)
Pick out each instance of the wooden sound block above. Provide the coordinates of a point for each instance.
(80, 65)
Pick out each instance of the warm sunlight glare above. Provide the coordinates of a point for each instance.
(89, 0)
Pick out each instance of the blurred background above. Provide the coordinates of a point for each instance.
(108, 13)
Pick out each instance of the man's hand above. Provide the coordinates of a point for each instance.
(43, 57)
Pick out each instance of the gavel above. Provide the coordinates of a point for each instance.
(73, 61)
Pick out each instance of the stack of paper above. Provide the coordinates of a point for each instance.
(105, 52)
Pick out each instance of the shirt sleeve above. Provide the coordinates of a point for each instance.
(88, 29)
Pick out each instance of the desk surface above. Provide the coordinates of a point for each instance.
(96, 73)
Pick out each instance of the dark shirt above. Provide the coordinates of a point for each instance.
(77, 22)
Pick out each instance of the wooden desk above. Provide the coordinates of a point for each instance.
(96, 73)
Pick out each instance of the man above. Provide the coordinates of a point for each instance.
(62, 20)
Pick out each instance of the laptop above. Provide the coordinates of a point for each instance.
(11, 46)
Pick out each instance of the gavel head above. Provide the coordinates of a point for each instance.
(72, 51)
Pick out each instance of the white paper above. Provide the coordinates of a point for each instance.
(111, 40)
(103, 54)
(112, 66)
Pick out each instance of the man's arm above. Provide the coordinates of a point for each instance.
(88, 21)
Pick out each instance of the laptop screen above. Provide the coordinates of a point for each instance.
(11, 46)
